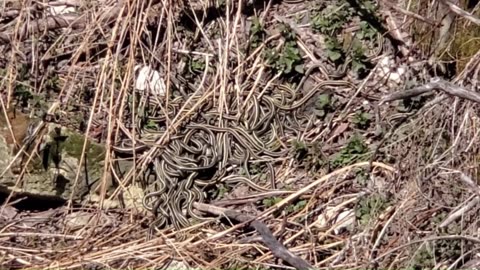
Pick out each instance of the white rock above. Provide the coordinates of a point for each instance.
(343, 220)
(385, 70)
(63, 9)
(148, 79)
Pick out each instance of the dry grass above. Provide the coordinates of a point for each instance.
(402, 186)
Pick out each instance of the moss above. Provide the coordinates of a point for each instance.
(95, 153)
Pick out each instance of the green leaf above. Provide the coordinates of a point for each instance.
(334, 55)
(300, 205)
(269, 202)
(323, 101)
(358, 66)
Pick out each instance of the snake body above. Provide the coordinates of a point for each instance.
(214, 148)
(199, 156)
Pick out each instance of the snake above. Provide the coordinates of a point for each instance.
(213, 148)
(196, 160)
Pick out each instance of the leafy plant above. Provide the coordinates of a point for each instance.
(22, 92)
(359, 60)
(150, 124)
(424, 258)
(334, 49)
(308, 155)
(197, 65)
(369, 208)
(330, 22)
(411, 104)
(288, 59)
(221, 191)
(361, 177)
(362, 119)
(300, 149)
(331, 19)
(368, 6)
(257, 33)
(293, 208)
(354, 149)
(269, 202)
(324, 104)
(53, 83)
(366, 31)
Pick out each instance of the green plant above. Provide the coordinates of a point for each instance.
(334, 49)
(308, 155)
(354, 149)
(411, 104)
(323, 105)
(300, 147)
(366, 31)
(221, 191)
(331, 20)
(53, 83)
(288, 59)
(257, 33)
(362, 119)
(150, 124)
(369, 208)
(197, 65)
(359, 60)
(368, 6)
(269, 202)
(361, 177)
(293, 208)
(424, 258)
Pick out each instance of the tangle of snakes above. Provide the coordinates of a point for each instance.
(211, 149)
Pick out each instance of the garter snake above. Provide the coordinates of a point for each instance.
(212, 147)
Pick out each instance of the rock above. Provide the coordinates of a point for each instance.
(149, 80)
(80, 220)
(61, 9)
(52, 171)
(343, 219)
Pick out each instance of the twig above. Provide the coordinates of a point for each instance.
(409, 13)
(460, 12)
(277, 248)
(434, 84)
(446, 237)
(324, 178)
(459, 213)
(73, 21)
(462, 210)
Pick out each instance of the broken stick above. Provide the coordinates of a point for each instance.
(277, 248)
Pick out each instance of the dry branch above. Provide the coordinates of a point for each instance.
(74, 21)
(277, 248)
(462, 210)
(434, 84)
(460, 12)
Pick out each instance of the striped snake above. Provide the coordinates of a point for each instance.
(214, 149)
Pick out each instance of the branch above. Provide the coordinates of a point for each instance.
(460, 12)
(434, 84)
(277, 248)
(71, 20)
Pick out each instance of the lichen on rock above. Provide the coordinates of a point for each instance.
(53, 169)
